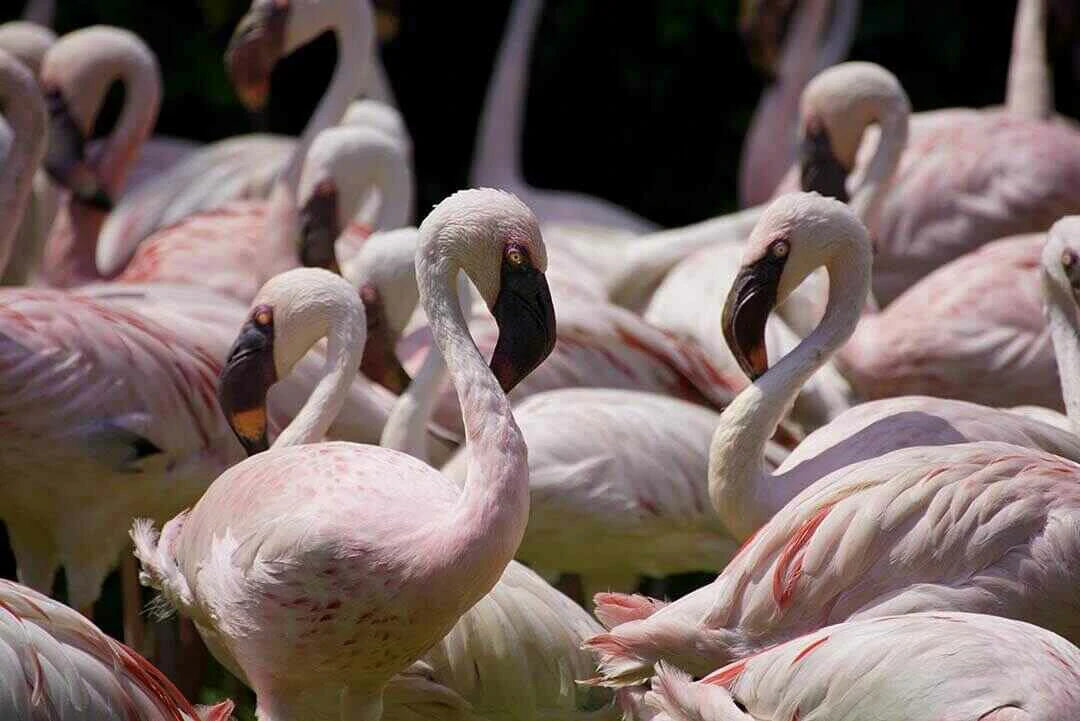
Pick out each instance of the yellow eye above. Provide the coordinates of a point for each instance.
(515, 256)
(780, 248)
(263, 317)
(1068, 259)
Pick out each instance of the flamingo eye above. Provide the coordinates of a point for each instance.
(780, 248)
(263, 316)
(1068, 259)
(515, 256)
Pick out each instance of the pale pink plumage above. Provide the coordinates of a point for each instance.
(55, 664)
(305, 570)
(918, 667)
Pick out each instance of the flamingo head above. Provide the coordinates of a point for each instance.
(256, 46)
(290, 313)
(797, 234)
(762, 26)
(495, 239)
(837, 107)
(1061, 258)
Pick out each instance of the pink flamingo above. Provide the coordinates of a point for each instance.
(76, 73)
(57, 665)
(249, 167)
(497, 157)
(917, 667)
(819, 36)
(867, 530)
(359, 577)
(236, 248)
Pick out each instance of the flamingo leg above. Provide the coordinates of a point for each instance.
(131, 593)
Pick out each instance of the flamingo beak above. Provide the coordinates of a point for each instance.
(751, 299)
(319, 228)
(525, 315)
(254, 49)
(820, 170)
(246, 379)
(761, 26)
(65, 160)
(380, 362)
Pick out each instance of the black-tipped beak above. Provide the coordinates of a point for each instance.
(319, 228)
(819, 168)
(65, 160)
(248, 375)
(254, 49)
(751, 299)
(380, 362)
(761, 26)
(526, 318)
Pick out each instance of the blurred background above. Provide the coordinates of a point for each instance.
(643, 103)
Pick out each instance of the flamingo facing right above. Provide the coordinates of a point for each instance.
(336, 576)
(977, 526)
(918, 667)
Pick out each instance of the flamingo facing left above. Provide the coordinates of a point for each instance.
(317, 571)
(56, 665)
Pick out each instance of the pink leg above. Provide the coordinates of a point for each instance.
(134, 626)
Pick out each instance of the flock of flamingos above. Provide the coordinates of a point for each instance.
(846, 400)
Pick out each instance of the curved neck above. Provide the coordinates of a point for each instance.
(1029, 92)
(139, 75)
(497, 155)
(892, 119)
(406, 429)
(769, 149)
(40, 12)
(344, 348)
(1065, 333)
(485, 529)
(354, 26)
(645, 260)
(24, 113)
(743, 492)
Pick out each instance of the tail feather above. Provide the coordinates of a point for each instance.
(677, 697)
(154, 551)
(613, 609)
(619, 665)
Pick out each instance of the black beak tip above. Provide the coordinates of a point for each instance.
(254, 445)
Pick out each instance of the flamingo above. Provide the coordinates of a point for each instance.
(885, 522)
(820, 35)
(917, 667)
(412, 556)
(108, 405)
(76, 73)
(57, 665)
(250, 166)
(497, 157)
(27, 41)
(237, 247)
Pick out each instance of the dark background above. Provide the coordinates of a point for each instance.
(645, 103)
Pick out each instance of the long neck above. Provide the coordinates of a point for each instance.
(344, 348)
(24, 113)
(644, 261)
(743, 492)
(40, 12)
(871, 188)
(1029, 93)
(1065, 334)
(406, 429)
(142, 99)
(769, 149)
(497, 156)
(484, 530)
(354, 25)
